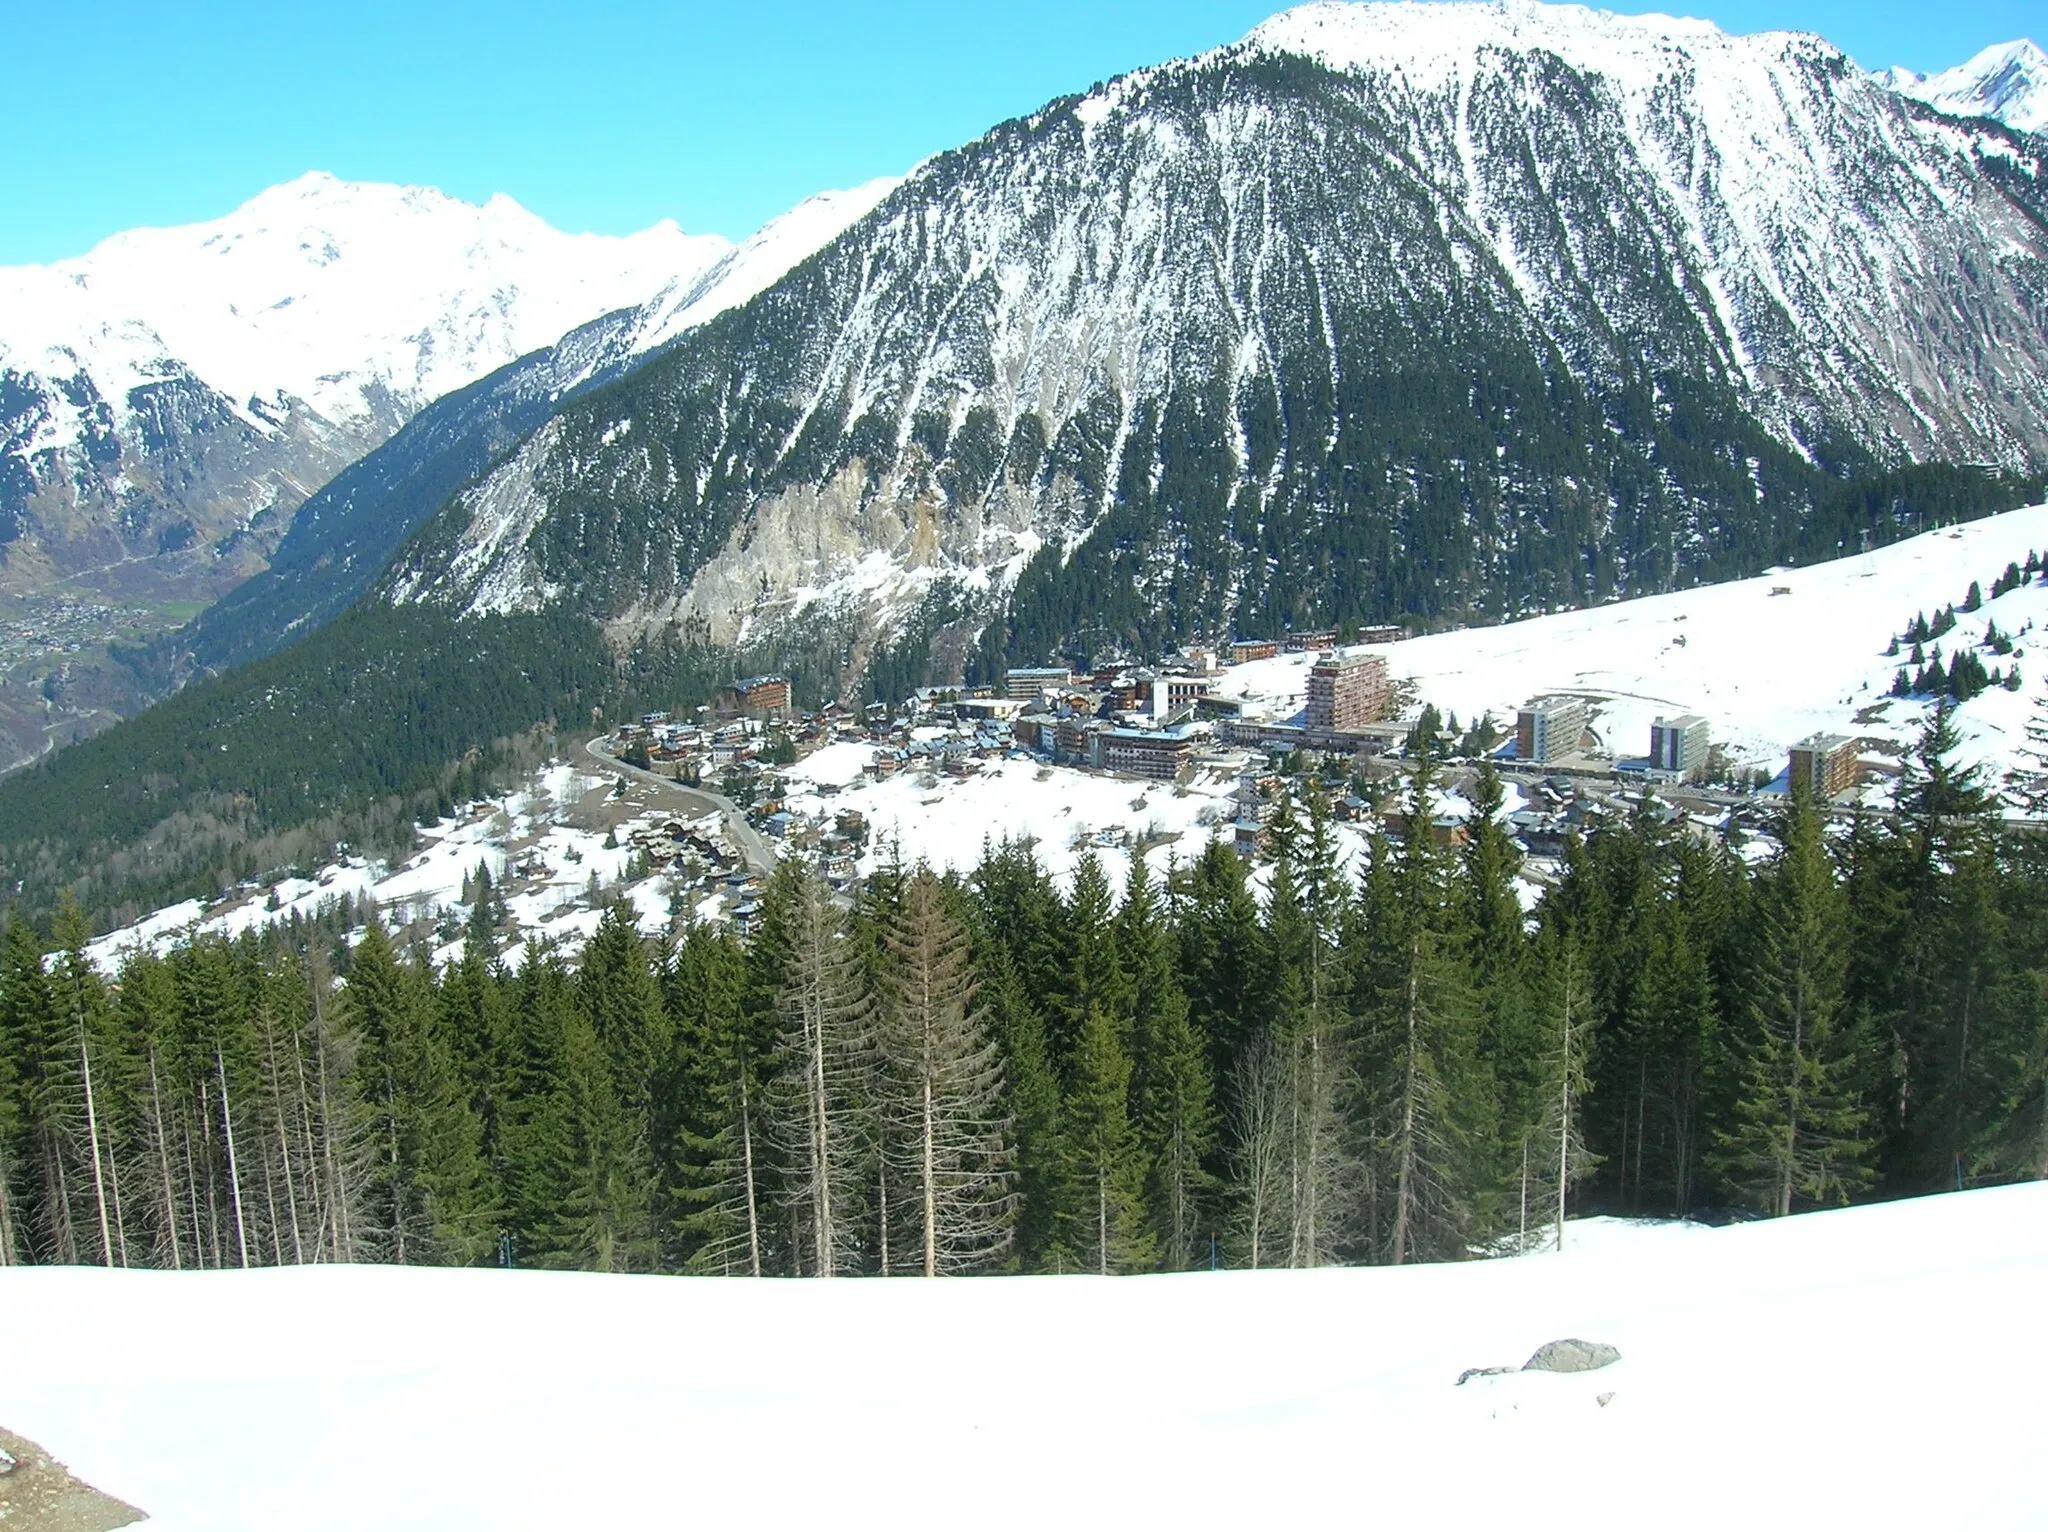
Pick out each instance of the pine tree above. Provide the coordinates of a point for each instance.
(46, 1097)
(717, 1163)
(819, 1103)
(1108, 1232)
(1095, 973)
(1563, 1159)
(80, 1016)
(1433, 1106)
(940, 1095)
(1170, 1090)
(1045, 1191)
(425, 1192)
(1801, 1130)
(545, 1200)
(1225, 963)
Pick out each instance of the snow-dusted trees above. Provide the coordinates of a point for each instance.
(939, 1096)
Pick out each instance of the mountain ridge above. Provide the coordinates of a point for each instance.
(1680, 217)
(2007, 81)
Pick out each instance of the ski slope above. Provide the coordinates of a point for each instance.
(1878, 1367)
(1766, 661)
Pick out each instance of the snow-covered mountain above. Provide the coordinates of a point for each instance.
(1439, 309)
(186, 412)
(345, 532)
(2007, 81)
(161, 393)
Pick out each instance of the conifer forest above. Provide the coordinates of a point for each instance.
(993, 1074)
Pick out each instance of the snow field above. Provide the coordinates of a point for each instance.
(1766, 661)
(1875, 1367)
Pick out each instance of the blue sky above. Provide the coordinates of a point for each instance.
(611, 114)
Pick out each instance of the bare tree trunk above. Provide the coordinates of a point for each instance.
(92, 1129)
(1642, 1125)
(212, 1180)
(284, 1149)
(931, 1188)
(882, 1211)
(1564, 1119)
(339, 1231)
(63, 1235)
(747, 1168)
(192, 1185)
(6, 1217)
(291, 1196)
(270, 1202)
(234, 1173)
(1522, 1235)
(114, 1191)
(1404, 1182)
(306, 1123)
(163, 1149)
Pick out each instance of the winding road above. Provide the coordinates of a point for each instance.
(694, 801)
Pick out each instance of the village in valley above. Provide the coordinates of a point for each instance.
(1678, 706)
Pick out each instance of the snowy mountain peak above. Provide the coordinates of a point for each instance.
(1432, 41)
(358, 299)
(2007, 81)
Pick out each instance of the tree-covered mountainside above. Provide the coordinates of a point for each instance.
(390, 715)
(991, 1074)
(1328, 326)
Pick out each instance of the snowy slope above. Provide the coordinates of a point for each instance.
(2008, 81)
(359, 300)
(1877, 1367)
(755, 264)
(1767, 661)
(548, 824)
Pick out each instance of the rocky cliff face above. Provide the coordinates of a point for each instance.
(1387, 309)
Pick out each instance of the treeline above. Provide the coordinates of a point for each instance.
(990, 1074)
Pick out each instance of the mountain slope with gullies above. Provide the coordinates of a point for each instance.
(1436, 311)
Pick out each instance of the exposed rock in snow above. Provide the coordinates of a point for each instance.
(1572, 1356)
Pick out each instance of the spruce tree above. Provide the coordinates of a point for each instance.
(1800, 1132)
(1108, 1231)
(46, 1097)
(1045, 1191)
(820, 1102)
(546, 1203)
(940, 1098)
(717, 1164)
